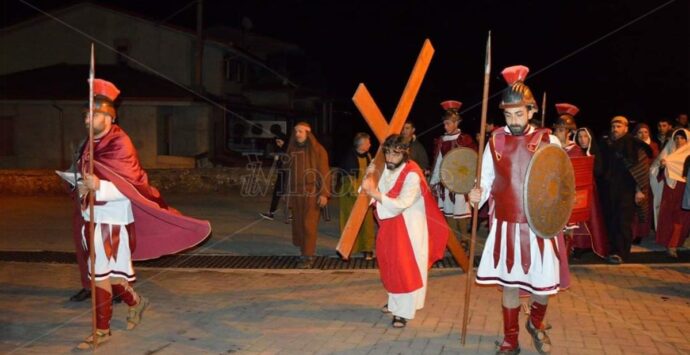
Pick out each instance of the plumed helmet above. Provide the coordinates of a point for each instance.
(452, 110)
(104, 95)
(517, 94)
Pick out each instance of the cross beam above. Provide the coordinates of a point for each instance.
(377, 122)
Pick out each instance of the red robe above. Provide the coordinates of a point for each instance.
(590, 234)
(674, 222)
(396, 260)
(159, 229)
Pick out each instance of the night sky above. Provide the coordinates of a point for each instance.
(640, 71)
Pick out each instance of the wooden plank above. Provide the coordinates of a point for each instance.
(371, 113)
(458, 252)
(367, 106)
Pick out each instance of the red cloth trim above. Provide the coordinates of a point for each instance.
(105, 237)
(115, 240)
(555, 248)
(497, 242)
(510, 245)
(540, 244)
(525, 252)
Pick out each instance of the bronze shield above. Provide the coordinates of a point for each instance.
(459, 170)
(549, 191)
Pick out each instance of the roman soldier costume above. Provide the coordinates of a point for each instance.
(514, 256)
(455, 206)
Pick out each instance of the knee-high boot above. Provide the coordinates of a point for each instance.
(104, 309)
(511, 330)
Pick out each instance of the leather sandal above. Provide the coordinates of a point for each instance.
(101, 336)
(506, 350)
(399, 322)
(135, 312)
(541, 340)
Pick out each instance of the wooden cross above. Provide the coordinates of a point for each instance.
(373, 116)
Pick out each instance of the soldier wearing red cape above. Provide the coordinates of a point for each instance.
(132, 222)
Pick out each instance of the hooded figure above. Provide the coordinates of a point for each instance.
(668, 185)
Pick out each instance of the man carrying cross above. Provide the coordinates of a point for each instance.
(412, 231)
(514, 256)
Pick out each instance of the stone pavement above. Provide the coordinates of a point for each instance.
(629, 309)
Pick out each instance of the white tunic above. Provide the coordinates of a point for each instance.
(117, 210)
(411, 204)
(542, 277)
(461, 207)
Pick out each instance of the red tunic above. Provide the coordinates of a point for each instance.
(159, 229)
(397, 264)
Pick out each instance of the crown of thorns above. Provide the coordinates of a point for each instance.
(395, 145)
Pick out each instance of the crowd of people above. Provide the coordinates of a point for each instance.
(638, 183)
(639, 180)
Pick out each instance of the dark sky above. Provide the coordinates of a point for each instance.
(640, 71)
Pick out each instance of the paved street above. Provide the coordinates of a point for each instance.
(609, 310)
(628, 309)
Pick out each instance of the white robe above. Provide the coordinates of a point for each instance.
(117, 210)
(675, 158)
(410, 204)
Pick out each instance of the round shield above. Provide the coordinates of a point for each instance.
(549, 191)
(459, 170)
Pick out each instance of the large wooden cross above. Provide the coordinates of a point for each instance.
(373, 116)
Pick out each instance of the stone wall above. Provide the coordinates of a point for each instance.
(30, 181)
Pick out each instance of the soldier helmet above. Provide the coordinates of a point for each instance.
(452, 110)
(517, 94)
(104, 95)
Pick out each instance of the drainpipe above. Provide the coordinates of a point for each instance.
(61, 129)
(199, 53)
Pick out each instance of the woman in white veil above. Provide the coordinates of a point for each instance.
(665, 176)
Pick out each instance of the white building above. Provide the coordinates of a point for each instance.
(171, 119)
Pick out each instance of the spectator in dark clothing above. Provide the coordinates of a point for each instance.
(280, 147)
(417, 151)
(625, 180)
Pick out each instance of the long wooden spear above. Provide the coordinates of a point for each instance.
(92, 245)
(475, 212)
(543, 109)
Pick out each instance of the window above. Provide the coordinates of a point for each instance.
(234, 69)
(122, 46)
(6, 136)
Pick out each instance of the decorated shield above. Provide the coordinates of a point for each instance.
(459, 170)
(549, 191)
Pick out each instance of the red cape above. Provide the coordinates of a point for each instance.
(396, 260)
(160, 230)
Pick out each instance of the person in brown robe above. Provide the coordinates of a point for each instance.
(309, 184)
